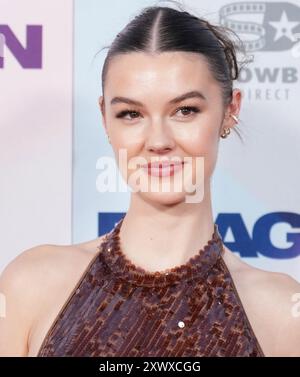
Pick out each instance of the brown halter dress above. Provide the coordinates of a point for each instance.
(119, 309)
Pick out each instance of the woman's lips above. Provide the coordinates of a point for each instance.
(162, 169)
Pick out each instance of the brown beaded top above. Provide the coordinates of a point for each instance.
(119, 309)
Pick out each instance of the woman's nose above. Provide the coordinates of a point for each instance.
(159, 139)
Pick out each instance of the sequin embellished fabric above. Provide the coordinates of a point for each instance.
(119, 309)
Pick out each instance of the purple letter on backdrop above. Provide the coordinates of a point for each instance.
(31, 55)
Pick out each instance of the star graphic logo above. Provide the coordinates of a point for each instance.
(284, 27)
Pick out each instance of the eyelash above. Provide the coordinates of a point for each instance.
(123, 113)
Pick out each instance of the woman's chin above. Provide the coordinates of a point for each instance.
(164, 198)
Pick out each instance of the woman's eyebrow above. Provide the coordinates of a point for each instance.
(129, 101)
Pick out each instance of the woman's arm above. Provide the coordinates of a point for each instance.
(289, 322)
(19, 293)
(35, 285)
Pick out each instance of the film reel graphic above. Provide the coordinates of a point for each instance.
(245, 27)
(276, 28)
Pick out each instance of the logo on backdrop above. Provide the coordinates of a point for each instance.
(267, 27)
(275, 26)
(247, 245)
(28, 56)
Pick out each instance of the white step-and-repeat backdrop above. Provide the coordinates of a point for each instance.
(52, 136)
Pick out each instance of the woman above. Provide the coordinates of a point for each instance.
(161, 283)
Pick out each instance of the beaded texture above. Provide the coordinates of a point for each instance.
(119, 309)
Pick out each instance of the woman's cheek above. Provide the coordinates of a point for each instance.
(204, 146)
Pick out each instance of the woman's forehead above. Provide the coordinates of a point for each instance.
(171, 69)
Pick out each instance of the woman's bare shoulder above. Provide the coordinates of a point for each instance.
(272, 300)
(38, 278)
(42, 262)
(254, 276)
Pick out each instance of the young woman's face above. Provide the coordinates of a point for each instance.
(144, 116)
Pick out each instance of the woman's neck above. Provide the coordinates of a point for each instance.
(157, 237)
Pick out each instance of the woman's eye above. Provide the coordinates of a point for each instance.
(186, 110)
(133, 114)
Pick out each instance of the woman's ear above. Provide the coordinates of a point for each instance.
(102, 109)
(233, 109)
(101, 104)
